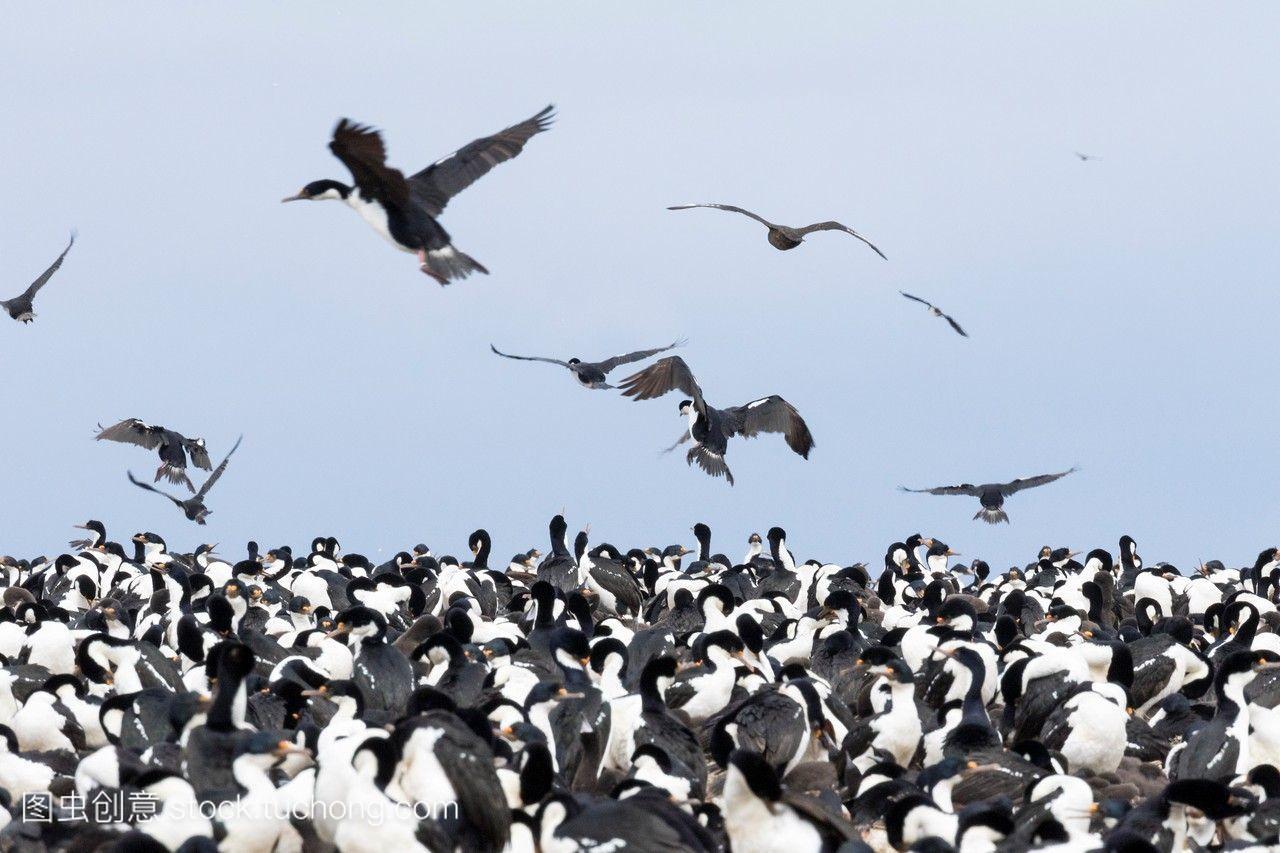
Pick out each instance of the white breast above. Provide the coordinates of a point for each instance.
(376, 215)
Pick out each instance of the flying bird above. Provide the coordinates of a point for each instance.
(22, 307)
(172, 446)
(992, 495)
(193, 507)
(1084, 158)
(784, 237)
(591, 374)
(936, 311)
(711, 428)
(404, 211)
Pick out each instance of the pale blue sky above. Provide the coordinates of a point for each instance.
(1122, 311)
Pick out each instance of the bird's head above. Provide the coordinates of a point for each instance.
(575, 361)
(686, 406)
(320, 190)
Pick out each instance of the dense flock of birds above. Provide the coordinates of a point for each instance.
(662, 698)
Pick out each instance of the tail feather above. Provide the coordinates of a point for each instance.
(449, 264)
(991, 516)
(712, 463)
(174, 475)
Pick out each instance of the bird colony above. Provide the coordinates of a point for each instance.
(664, 697)
(657, 697)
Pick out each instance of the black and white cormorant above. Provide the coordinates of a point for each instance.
(193, 507)
(381, 671)
(711, 428)
(992, 495)
(404, 210)
(172, 446)
(593, 374)
(22, 307)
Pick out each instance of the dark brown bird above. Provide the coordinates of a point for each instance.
(193, 507)
(992, 495)
(937, 312)
(22, 306)
(784, 237)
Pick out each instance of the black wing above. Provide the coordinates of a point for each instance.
(638, 355)
(659, 378)
(1031, 482)
(48, 274)
(962, 489)
(772, 414)
(766, 223)
(198, 452)
(151, 488)
(362, 151)
(836, 226)
(132, 431)
(529, 357)
(442, 180)
(217, 472)
(955, 325)
(916, 298)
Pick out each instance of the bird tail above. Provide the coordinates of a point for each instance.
(448, 264)
(991, 516)
(712, 463)
(174, 475)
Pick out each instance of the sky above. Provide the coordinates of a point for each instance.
(1120, 311)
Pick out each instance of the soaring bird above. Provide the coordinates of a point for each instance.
(936, 311)
(711, 428)
(173, 448)
(785, 237)
(1084, 158)
(591, 374)
(21, 307)
(404, 210)
(992, 495)
(193, 507)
